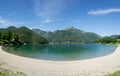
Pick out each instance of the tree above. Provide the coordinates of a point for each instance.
(107, 40)
(15, 37)
(6, 35)
(22, 38)
(118, 37)
(0, 35)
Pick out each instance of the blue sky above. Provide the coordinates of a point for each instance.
(98, 16)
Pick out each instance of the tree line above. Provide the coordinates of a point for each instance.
(109, 40)
(22, 35)
(8, 37)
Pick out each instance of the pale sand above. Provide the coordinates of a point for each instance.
(90, 67)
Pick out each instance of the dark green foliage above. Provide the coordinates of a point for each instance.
(0, 35)
(30, 36)
(22, 38)
(1, 42)
(22, 35)
(68, 36)
(15, 37)
(6, 35)
(118, 37)
(109, 40)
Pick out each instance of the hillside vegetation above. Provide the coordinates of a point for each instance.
(69, 35)
(22, 35)
(110, 39)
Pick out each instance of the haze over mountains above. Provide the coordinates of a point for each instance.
(70, 35)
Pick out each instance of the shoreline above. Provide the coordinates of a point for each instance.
(91, 67)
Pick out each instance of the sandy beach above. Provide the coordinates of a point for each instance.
(90, 67)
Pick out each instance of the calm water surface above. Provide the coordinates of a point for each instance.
(62, 52)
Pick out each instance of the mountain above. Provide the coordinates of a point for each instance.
(72, 28)
(113, 39)
(113, 36)
(68, 35)
(22, 34)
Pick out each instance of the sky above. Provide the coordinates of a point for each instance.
(98, 16)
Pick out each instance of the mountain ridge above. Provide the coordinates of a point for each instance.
(68, 35)
(21, 35)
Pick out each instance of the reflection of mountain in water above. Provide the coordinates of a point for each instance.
(62, 51)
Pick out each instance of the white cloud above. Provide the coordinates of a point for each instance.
(46, 21)
(4, 22)
(0, 17)
(48, 8)
(76, 21)
(105, 11)
(12, 13)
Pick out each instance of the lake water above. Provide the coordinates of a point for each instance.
(62, 52)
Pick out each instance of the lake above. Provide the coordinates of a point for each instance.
(62, 52)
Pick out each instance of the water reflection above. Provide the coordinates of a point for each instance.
(61, 51)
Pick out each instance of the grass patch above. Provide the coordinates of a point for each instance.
(114, 74)
(6, 72)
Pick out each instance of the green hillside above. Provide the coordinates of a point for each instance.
(114, 39)
(22, 35)
(69, 35)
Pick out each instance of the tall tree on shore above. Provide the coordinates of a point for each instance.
(15, 37)
(6, 35)
(22, 38)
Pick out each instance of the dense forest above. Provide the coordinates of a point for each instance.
(22, 35)
(110, 39)
(69, 35)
